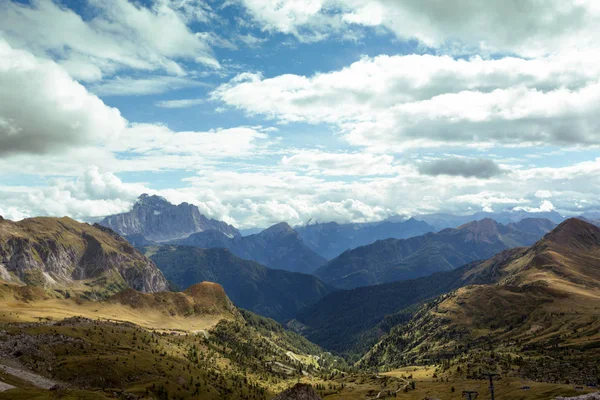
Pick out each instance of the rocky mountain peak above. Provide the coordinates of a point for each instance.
(574, 233)
(157, 220)
(151, 200)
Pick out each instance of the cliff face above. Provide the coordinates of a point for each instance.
(61, 253)
(156, 219)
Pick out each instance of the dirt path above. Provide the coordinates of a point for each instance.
(32, 378)
(5, 386)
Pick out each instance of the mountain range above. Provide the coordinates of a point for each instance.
(270, 292)
(82, 311)
(331, 239)
(277, 247)
(400, 259)
(153, 218)
(539, 300)
(441, 221)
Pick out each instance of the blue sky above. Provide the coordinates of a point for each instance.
(260, 111)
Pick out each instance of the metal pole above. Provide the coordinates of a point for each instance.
(491, 376)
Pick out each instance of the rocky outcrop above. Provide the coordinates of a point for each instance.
(61, 253)
(299, 392)
(156, 219)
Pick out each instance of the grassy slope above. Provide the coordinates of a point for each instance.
(350, 321)
(244, 356)
(541, 321)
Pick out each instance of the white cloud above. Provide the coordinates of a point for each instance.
(545, 206)
(260, 196)
(180, 103)
(543, 194)
(120, 34)
(92, 195)
(143, 86)
(354, 164)
(151, 139)
(43, 109)
(528, 28)
(399, 102)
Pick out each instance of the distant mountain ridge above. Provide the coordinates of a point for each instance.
(331, 239)
(350, 321)
(155, 219)
(399, 259)
(443, 220)
(278, 247)
(273, 293)
(63, 254)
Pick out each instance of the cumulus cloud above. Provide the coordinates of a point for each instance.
(120, 34)
(524, 27)
(90, 196)
(43, 109)
(400, 102)
(262, 196)
(465, 167)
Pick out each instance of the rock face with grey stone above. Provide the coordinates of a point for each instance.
(63, 254)
(155, 219)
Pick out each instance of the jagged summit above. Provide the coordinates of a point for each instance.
(146, 198)
(156, 219)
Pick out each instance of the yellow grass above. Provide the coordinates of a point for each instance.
(57, 309)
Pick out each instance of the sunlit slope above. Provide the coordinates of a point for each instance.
(541, 316)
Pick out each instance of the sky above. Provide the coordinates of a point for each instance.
(261, 111)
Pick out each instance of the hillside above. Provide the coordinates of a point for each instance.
(66, 255)
(400, 259)
(155, 219)
(277, 247)
(201, 347)
(542, 309)
(332, 239)
(274, 293)
(350, 321)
